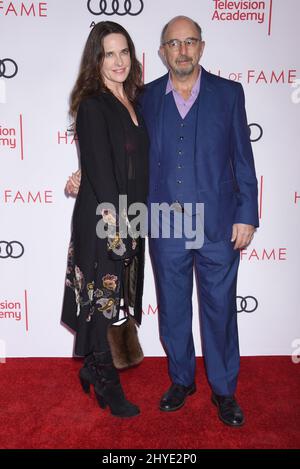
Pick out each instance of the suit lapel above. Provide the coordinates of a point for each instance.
(159, 113)
(118, 139)
(205, 103)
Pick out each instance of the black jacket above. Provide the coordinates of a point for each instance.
(95, 273)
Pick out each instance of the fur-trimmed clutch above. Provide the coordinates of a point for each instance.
(124, 344)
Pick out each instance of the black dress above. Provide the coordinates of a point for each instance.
(114, 161)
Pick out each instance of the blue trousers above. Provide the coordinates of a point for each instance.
(216, 266)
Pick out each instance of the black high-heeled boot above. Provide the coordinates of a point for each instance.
(109, 391)
(88, 373)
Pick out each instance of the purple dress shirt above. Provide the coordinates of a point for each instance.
(183, 105)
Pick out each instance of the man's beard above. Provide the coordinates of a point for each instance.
(184, 72)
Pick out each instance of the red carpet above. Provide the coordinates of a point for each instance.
(42, 406)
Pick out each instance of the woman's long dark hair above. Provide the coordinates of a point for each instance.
(90, 81)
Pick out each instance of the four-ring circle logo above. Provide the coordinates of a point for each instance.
(256, 132)
(248, 304)
(8, 68)
(115, 7)
(13, 249)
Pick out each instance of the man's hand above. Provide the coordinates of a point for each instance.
(73, 183)
(242, 234)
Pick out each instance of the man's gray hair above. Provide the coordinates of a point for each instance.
(163, 33)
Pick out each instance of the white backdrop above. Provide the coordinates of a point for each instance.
(40, 47)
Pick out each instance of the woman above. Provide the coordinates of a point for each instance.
(104, 279)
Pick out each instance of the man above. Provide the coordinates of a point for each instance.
(200, 153)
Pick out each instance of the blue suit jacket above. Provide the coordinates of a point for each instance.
(224, 165)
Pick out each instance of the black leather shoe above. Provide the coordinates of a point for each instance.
(228, 410)
(175, 397)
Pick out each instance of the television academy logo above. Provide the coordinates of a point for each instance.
(15, 309)
(259, 12)
(11, 310)
(115, 7)
(246, 304)
(12, 137)
(11, 249)
(8, 137)
(8, 68)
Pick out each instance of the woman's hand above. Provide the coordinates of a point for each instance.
(73, 184)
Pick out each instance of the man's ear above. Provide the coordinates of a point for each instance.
(202, 47)
(161, 51)
(161, 54)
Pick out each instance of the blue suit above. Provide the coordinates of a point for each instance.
(217, 170)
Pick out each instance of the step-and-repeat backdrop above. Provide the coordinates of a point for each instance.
(253, 42)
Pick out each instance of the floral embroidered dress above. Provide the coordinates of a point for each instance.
(113, 153)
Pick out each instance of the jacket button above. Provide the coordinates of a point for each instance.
(179, 181)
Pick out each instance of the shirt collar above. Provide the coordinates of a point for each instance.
(195, 89)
